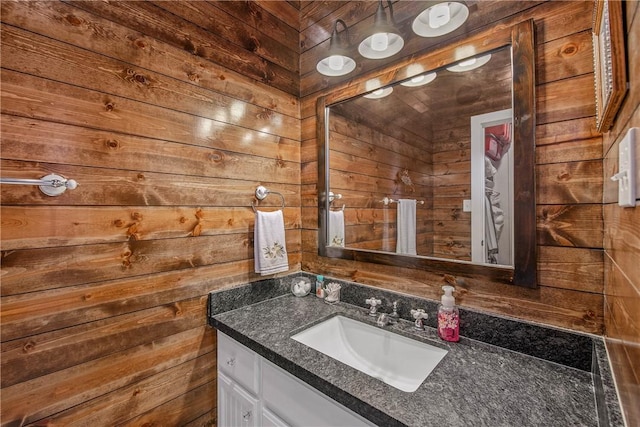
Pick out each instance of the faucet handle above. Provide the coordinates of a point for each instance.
(374, 303)
(419, 314)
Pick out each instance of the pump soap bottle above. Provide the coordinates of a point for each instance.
(448, 316)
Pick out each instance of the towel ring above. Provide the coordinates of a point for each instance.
(262, 193)
(332, 197)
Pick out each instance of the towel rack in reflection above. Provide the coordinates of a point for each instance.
(51, 185)
(388, 200)
(262, 192)
(333, 196)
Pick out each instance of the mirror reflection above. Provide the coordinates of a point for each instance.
(425, 167)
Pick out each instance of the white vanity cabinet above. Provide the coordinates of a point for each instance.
(254, 392)
(236, 406)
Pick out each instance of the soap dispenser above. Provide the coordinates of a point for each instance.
(448, 316)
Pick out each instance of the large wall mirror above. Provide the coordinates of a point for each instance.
(429, 164)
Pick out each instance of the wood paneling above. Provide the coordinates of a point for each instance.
(169, 119)
(168, 116)
(569, 178)
(622, 242)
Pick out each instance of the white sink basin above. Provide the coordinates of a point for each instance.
(399, 361)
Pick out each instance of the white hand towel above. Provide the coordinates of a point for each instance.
(269, 245)
(406, 224)
(336, 228)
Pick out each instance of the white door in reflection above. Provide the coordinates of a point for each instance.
(492, 188)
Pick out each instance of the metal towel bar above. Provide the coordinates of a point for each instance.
(388, 200)
(262, 192)
(51, 185)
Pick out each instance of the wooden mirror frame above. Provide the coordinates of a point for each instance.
(520, 38)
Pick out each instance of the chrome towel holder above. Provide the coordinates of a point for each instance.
(51, 185)
(262, 192)
(387, 200)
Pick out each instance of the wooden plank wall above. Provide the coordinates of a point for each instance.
(367, 165)
(622, 241)
(168, 115)
(568, 168)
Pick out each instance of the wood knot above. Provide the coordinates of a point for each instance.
(564, 176)
(177, 310)
(136, 392)
(29, 346)
(194, 77)
(569, 49)
(265, 114)
(199, 213)
(141, 79)
(216, 157)
(183, 220)
(222, 77)
(189, 47)
(140, 177)
(73, 20)
(253, 44)
(280, 163)
(136, 216)
(112, 144)
(118, 223)
(449, 279)
(230, 222)
(87, 297)
(140, 44)
(197, 230)
(132, 232)
(109, 106)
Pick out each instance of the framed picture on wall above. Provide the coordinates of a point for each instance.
(609, 61)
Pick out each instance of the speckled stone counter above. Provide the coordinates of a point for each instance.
(475, 384)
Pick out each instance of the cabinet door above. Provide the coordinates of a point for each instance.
(238, 363)
(269, 419)
(299, 404)
(236, 406)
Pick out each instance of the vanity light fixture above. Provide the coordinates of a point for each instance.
(337, 62)
(420, 80)
(470, 64)
(379, 93)
(384, 39)
(440, 19)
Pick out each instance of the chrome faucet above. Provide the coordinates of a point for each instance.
(394, 316)
(374, 303)
(419, 315)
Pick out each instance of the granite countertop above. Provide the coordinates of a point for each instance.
(475, 384)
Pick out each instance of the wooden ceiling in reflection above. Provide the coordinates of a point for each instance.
(451, 97)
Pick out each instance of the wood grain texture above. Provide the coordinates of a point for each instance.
(152, 108)
(39, 398)
(173, 30)
(568, 164)
(69, 24)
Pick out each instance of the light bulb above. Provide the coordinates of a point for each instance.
(417, 79)
(336, 62)
(439, 15)
(467, 62)
(379, 42)
(378, 92)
